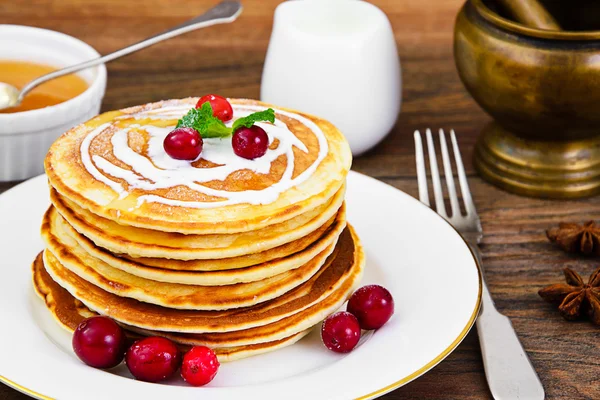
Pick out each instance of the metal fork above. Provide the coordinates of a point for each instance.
(508, 371)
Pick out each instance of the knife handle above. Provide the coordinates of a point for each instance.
(508, 370)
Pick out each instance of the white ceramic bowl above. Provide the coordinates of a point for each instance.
(26, 136)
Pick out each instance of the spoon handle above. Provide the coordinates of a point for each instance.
(223, 13)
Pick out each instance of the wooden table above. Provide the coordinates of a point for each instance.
(228, 60)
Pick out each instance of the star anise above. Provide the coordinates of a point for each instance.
(576, 297)
(577, 238)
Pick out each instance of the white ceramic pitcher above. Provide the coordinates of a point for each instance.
(336, 59)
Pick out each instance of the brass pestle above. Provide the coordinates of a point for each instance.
(530, 13)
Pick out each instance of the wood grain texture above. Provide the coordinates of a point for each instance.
(228, 60)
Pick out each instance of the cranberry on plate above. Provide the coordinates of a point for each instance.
(340, 332)
(250, 143)
(200, 365)
(99, 342)
(183, 144)
(221, 107)
(153, 359)
(372, 305)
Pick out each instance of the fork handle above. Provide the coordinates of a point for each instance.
(508, 370)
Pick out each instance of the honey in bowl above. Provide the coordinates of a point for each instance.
(19, 73)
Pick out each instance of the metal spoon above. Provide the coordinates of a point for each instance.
(223, 13)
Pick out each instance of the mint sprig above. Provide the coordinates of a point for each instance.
(266, 115)
(209, 126)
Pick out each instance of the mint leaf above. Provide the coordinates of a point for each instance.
(203, 120)
(266, 115)
(189, 120)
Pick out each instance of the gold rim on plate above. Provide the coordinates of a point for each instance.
(23, 389)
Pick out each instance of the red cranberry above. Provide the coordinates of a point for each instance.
(372, 305)
(153, 359)
(340, 332)
(99, 342)
(250, 142)
(221, 107)
(200, 365)
(183, 144)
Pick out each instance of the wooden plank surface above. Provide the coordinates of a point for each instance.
(228, 60)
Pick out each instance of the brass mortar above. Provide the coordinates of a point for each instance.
(543, 90)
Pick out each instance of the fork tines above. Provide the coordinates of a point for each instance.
(435, 175)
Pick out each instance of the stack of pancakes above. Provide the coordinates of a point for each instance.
(243, 256)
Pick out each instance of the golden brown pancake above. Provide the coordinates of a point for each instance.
(65, 233)
(73, 158)
(137, 242)
(69, 312)
(228, 354)
(342, 268)
(69, 255)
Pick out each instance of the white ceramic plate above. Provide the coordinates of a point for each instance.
(410, 250)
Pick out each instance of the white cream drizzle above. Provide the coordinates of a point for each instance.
(159, 171)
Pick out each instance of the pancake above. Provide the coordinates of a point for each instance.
(69, 312)
(114, 166)
(228, 354)
(343, 268)
(283, 328)
(138, 242)
(70, 255)
(326, 236)
(220, 264)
